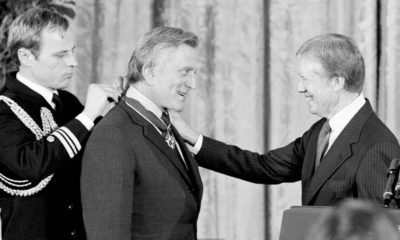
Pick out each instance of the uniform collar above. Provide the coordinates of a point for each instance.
(39, 89)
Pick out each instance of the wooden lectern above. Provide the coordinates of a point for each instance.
(297, 221)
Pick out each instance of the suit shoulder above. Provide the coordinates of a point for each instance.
(115, 117)
(375, 130)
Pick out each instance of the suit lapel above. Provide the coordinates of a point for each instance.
(193, 169)
(340, 151)
(309, 160)
(151, 133)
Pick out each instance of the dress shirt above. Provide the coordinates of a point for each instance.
(340, 120)
(47, 94)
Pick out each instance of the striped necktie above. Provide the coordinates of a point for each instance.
(323, 142)
(163, 124)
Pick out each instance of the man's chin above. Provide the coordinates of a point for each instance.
(177, 108)
(64, 84)
(312, 110)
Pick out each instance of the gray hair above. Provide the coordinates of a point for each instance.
(152, 43)
(339, 56)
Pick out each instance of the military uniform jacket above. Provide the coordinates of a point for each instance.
(39, 165)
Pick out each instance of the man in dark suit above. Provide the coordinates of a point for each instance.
(344, 155)
(42, 131)
(139, 181)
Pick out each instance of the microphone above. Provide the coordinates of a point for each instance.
(392, 176)
(397, 190)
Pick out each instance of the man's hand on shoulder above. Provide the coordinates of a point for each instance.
(187, 133)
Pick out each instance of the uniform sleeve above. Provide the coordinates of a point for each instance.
(107, 185)
(23, 156)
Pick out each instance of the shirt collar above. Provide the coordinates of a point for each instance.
(147, 103)
(42, 91)
(338, 121)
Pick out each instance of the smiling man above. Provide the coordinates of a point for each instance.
(344, 155)
(139, 181)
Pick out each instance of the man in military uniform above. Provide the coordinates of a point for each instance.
(42, 131)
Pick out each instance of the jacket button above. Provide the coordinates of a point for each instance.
(191, 190)
(71, 206)
(73, 234)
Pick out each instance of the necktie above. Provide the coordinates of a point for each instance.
(59, 109)
(323, 142)
(168, 136)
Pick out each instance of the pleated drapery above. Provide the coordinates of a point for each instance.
(246, 89)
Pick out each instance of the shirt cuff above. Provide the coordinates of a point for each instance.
(86, 121)
(197, 146)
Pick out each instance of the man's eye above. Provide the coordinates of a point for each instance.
(186, 72)
(60, 55)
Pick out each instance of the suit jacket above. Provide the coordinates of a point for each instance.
(355, 166)
(53, 212)
(133, 184)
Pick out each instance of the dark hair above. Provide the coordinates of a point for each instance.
(152, 43)
(26, 29)
(339, 56)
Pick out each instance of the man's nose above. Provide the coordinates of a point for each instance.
(300, 87)
(191, 81)
(71, 60)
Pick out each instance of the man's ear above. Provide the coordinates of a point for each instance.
(148, 75)
(339, 83)
(25, 56)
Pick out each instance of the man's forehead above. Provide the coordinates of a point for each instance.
(57, 38)
(181, 52)
(307, 66)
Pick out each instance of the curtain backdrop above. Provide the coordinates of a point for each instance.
(388, 85)
(246, 90)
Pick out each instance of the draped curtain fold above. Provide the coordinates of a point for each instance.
(246, 89)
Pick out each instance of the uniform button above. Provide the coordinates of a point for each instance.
(73, 234)
(50, 139)
(71, 206)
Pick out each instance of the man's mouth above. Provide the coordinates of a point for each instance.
(308, 97)
(68, 75)
(183, 94)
